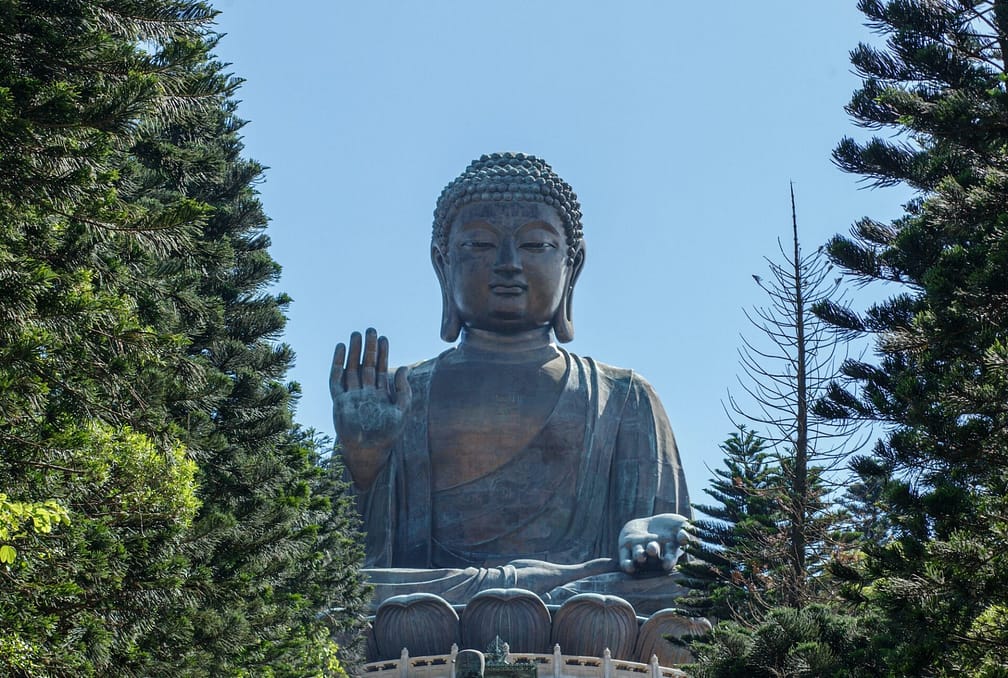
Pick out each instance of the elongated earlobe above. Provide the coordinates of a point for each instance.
(451, 325)
(563, 321)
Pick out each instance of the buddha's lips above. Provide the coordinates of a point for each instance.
(513, 289)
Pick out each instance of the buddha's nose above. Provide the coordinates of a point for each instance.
(508, 260)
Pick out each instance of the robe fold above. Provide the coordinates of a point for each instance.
(625, 466)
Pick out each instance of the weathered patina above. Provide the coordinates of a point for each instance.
(506, 460)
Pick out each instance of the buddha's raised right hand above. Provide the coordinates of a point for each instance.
(368, 408)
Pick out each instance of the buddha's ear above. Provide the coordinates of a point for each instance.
(563, 321)
(450, 323)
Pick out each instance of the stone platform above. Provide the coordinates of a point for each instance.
(420, 634)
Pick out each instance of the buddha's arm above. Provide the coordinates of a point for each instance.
(541, 577)
(459, 585)
(368, 407)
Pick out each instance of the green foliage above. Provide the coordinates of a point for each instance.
(100, 575)
(739, 555)
(935, 571)
(143, 399)
(74, 83)
(18, 519)
(814, 642)
(132, 475)
(274, 542)
(732, 558)
(866, 522)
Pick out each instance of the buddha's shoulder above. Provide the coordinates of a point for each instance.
(424, 368)
(627, 377)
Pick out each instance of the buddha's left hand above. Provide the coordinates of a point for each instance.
(653, 542)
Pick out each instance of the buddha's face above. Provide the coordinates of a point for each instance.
(506, 268)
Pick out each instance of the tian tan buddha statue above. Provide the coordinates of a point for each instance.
(506, 461)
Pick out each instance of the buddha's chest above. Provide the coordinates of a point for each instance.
(482, 415)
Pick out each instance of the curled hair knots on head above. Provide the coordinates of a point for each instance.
(506, 177)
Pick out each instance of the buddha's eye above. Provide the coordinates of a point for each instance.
(476, 244)
(537, 246)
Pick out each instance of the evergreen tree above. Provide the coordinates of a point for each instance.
(814, 642)
(765, 559)
(98, 488)
(865, 521)
(160, 513)
(273, 544)
(733, 555)
(941, 380)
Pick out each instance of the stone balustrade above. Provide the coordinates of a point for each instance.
(555, 665)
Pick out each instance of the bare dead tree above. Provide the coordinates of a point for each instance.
(784, 372)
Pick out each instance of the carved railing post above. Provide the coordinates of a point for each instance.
(404, 663)
(557, 661)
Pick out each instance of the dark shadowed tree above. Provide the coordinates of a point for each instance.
(937, 88)
(273, 549)
(155, 495)
(815, 641)
(733, 560)
(79, 587)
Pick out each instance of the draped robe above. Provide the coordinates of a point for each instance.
(623, 464)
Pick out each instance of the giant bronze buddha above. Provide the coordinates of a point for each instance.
(506, 460)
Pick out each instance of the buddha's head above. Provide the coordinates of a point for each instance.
(507, 248)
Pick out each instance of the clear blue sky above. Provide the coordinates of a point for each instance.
(678, 124)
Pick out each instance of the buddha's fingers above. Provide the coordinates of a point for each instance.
(381, 369)
(670, 556)
(353, 363)
(403, 392)
(626, 562)
(336, 372)
(675, 548)
(370, 358)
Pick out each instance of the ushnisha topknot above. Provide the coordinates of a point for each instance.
(509, 176)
